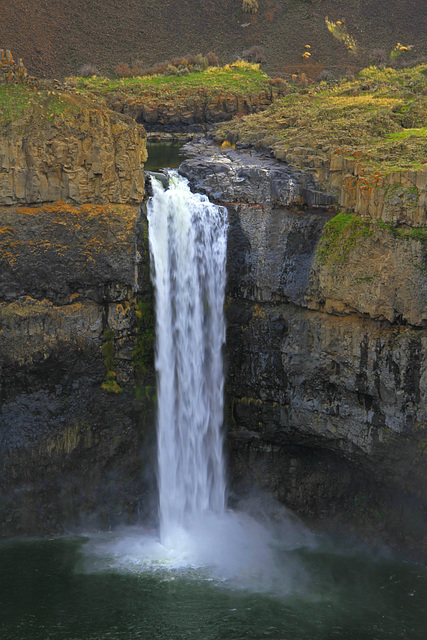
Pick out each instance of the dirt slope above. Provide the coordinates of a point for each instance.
(55, 38)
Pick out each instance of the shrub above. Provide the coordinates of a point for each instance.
(378, 57)
(398, 50)
(201, 61)
(325, 76)
(279, 83)
(212, 59)
(88, 70)
(250, 6)
(123, 70)
(159, 68)
(176, 66)
(339, 31)
(171, 70)
(254, 54)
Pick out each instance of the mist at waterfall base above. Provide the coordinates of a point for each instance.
(197, 534)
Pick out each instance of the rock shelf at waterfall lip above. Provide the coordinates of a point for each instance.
(226, 175)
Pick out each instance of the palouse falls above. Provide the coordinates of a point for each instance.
(202, 570)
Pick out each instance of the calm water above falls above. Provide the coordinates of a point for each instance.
(210, 574)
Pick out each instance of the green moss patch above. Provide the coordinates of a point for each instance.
(110, 384)
(403, 233)
(339, 237)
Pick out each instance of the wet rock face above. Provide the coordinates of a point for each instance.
(325, 360)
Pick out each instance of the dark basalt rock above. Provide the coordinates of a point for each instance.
(326, 399)
(74, 288)
(226, 175)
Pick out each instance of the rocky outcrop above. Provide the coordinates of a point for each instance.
(80, 155)
(229, 176)
(14, 71)
(326, 368)
(192, 109)
(76, 372)
(398, 197)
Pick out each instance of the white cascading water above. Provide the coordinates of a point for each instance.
(188, 237)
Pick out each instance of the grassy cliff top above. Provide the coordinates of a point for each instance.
(27, 110)
(22, 105)
(379, 118)
(239, 77)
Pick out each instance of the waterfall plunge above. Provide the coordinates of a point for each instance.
(244, 549)
(188, 237)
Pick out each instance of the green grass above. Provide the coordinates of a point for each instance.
(416, 233)
(421, 132)
(235, 78)
(21, 104)
(339, 237)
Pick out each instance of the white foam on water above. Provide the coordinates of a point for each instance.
(232, 549)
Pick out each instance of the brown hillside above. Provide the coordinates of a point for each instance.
(56, 38)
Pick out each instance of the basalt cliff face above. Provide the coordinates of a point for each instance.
(191, 110)
(75, 313)
(325, 356)
(326, 344)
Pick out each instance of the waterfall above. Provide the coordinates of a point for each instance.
(188, 237)
(243, 547)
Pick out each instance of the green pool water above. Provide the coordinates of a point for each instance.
(164, 154)
(49, 591)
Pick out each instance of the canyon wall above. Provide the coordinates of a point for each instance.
(326, 342)
(191, 109)
(325, 356)
(76, 325)
(398, 197)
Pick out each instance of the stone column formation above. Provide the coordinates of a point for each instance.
(13, 72)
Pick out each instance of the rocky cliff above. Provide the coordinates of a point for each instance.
(191, 109)
(326, 344)
(75, 313)
(326, 372)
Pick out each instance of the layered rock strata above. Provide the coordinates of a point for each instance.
(75, 322)
(326, 353)
(86, 155)
(192, 109)
(398, 197)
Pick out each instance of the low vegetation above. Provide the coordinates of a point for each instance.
(180, 66)
(377, 119)
(239, 77)
(21, 104)
(250, 6)
(340, 235)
